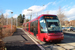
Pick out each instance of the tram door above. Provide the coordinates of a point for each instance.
(35, 29)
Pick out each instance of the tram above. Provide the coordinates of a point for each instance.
(45, 27)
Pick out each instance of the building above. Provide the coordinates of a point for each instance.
(72, 23)
(67, 23)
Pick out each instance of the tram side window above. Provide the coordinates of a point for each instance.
(37, 26)
(34, 27)
(31, 26)
(43, 28)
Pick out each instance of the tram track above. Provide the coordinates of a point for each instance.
(56, 46)
(67, 44)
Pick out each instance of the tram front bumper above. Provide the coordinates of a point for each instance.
(56, 38)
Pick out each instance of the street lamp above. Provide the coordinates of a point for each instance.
(11, 19)
(31, 14)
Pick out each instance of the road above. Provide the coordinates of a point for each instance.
(20, 41)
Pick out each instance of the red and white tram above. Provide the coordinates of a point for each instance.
(45, 27)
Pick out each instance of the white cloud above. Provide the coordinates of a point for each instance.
(53, 12)
(60, 1)
(53, 3)
(70, 14)
(66, 7)
(35, 9)
(7, 13)
(71, 18)
(15, 16)
(69, 11)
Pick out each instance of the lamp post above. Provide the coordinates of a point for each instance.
(31, 14)
(11, 19)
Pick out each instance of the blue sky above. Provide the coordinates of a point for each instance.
(50, 6)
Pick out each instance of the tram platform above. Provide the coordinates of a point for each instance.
(19, 41)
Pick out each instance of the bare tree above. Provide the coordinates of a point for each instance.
(14, 21)
(61, 16)
(67, 23)
(3, 20)
(9, 20)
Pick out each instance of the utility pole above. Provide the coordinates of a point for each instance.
(31, 13)
(11, 19)
(30, 16)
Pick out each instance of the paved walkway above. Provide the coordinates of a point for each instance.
(20, 41)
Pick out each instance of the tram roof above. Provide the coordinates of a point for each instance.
(40, 17)
(45, 15)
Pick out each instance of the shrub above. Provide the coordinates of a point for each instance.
(7, 31)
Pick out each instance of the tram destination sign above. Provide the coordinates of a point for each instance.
(50, 17)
